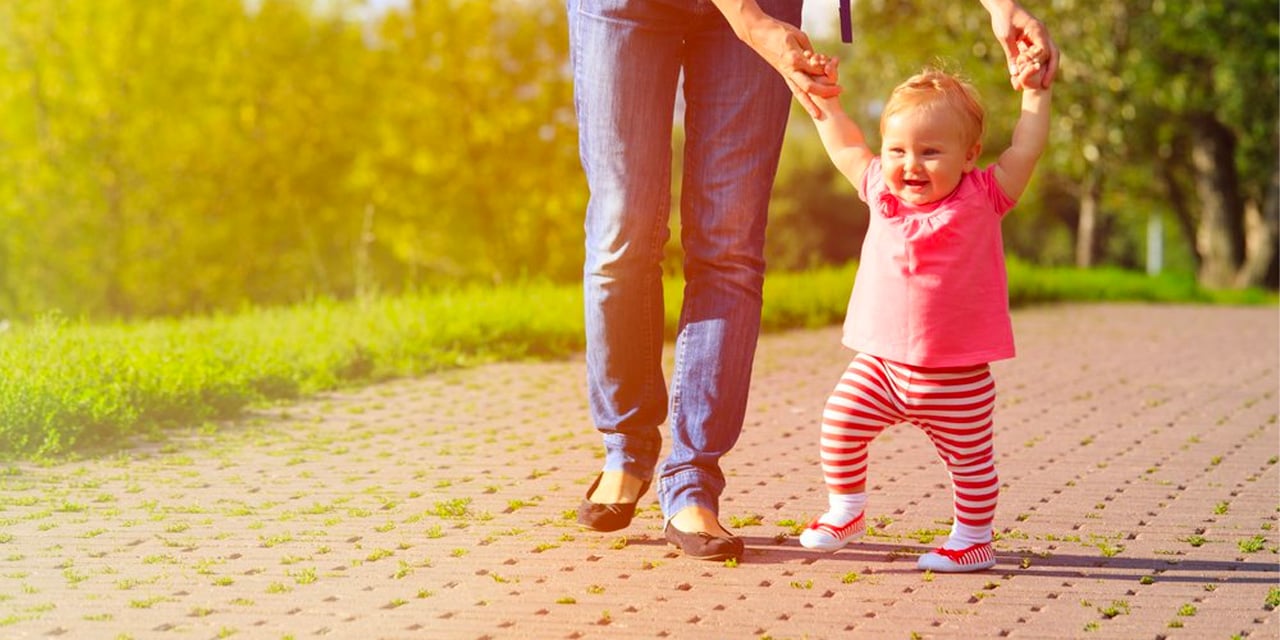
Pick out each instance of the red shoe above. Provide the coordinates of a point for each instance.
(828, 537)
(972, 558)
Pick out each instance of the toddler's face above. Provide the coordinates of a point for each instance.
(924, 154)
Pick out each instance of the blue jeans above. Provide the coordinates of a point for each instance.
(628, 56)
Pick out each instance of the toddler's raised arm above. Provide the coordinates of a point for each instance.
(1031, 134)
(840, 135)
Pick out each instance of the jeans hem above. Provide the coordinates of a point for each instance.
(635, 457)
(687, 489)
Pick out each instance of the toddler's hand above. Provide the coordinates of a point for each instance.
(830, 67)
(1029, 72)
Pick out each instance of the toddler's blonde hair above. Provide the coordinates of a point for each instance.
(936, 89)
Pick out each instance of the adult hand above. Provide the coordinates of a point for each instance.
(788, 50)
(1014, 26)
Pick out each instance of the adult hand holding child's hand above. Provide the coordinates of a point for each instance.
(1017, 29)
(1029, 72)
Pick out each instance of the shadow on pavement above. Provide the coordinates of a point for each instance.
(767, 550)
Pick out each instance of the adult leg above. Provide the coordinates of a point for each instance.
(625, 57)
(736, 112)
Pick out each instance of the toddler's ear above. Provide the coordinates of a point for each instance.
(971, 157)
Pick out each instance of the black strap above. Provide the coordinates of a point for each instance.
(846, 22)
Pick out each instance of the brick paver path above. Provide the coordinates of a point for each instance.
(1137, 449)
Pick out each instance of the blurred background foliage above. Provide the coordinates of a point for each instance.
(170, 157)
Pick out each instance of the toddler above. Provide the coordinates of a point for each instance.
(930, 306)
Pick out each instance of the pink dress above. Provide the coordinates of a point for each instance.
(931, 289)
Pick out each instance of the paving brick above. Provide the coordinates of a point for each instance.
(1137, 448)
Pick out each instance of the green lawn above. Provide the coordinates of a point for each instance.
(69, 385)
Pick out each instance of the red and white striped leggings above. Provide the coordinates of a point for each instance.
(952, 406)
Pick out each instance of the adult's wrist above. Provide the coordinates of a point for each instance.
(746, 18)
(1004, 7)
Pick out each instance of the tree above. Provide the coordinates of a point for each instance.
(167, 169)
(200, 155)
(1216, 100)
(1186, 90)
(473, 170)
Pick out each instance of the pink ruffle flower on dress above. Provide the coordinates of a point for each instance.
(887, 204)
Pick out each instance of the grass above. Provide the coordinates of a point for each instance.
(753, 520)
(1036, 285)
(1118, 607)
(1252, 545)
(72, 386)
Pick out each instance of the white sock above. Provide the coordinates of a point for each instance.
(844, 507)
(964, 536)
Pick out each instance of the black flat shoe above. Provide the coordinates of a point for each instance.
(607, 517)
(704, 546)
